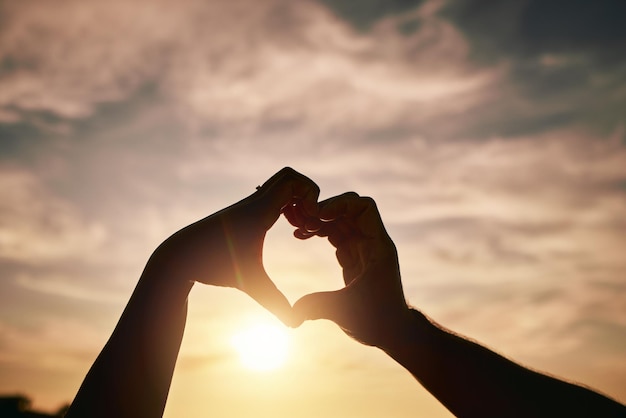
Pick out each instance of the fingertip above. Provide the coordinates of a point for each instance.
(312, 226)
(284, 313)
(312, 306)
(300, 311)
(302, 234)
(291, 321)
(291, 215)
(296, 321)
(326, 214)
(310, 206)
(267, 295)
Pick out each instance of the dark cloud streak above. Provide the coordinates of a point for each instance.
(362, 14)
(534, 27)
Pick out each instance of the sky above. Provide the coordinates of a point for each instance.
(492, 135)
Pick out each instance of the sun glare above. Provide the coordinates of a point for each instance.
(262, 347)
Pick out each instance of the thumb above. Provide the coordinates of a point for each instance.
(265, 292)
(319, 305)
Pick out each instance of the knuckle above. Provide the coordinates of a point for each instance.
(351, 195)
(369, 201)
(315, 188)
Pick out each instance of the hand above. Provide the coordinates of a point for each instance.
(371, 308)
(226, 248)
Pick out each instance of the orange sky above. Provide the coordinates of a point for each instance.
(496, 154)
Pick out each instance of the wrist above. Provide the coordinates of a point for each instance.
(190, 254)
(165, 275)
(168, 266)
(411, 328)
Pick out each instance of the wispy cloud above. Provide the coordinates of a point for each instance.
(81, 289)
(48, 346)
(37, 226)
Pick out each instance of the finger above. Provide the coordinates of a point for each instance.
(351, 273)
(320, 305)
(312, 225)
(294, 216)
(303, 234)
(339, 232)
(361, 212)
(265, 292)
(337, 206)
(300, 218)
(288, 184)
(347, 256)
(337, 229)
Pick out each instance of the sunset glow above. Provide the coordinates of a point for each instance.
(261, 347)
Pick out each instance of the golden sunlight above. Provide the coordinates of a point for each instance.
(262, 347)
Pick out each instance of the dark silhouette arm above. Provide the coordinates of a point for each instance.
(473, 381)
(469, 379)
(131, 376)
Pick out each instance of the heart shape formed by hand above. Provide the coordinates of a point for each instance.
(352, 225)
(299, 267)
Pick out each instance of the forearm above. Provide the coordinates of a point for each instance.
(471, 380)
(132, 375)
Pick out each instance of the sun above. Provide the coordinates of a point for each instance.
(262, 347)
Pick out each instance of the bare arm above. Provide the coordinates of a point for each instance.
(469, 379)
(131, 376)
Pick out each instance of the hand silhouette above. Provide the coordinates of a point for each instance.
(371, 307)
(131, 376)
(226, 248)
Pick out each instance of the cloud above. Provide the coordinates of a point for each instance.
(536, 27)
(563, 57)
(311, 71)
(48, 346)
(68, 57)
(364, 14)
(81, 289)
(325, 78)
(38, 227)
